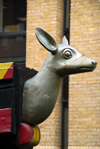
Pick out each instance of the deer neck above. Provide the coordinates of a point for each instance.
(48, 76)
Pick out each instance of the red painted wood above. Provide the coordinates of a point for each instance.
(9, 73)
(26, 133)
(5, 120)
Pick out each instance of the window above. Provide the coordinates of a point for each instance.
(12, 30)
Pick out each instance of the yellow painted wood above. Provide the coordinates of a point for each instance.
(36, 137)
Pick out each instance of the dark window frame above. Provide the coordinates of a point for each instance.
(12, 34)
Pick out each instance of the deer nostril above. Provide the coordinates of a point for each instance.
(94, 63)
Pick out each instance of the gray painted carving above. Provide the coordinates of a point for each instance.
(40, 92)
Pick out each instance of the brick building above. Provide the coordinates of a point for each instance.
(75, 120)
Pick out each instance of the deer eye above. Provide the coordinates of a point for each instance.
(67, 54)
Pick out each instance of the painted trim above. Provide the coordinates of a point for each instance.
(29, 135)
(5, 120)
(6, 70)
(36, 137)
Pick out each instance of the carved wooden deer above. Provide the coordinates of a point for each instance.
(40, 92)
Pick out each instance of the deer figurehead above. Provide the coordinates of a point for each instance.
(40, 92)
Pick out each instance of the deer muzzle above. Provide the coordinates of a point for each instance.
(85, 63)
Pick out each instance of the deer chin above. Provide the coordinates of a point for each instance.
(86, 68)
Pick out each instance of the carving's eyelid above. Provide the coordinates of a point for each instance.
(65, 49)
(69, 50)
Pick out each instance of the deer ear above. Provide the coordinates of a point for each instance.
(64, 40)
(46, 40)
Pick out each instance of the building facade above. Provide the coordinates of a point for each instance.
(84, 95)
(75, 120)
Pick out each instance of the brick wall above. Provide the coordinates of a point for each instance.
(47, 14)
(84, 91)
